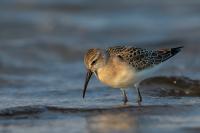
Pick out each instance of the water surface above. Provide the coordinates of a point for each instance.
(42, 72)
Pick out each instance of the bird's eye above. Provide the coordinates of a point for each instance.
(94, 62)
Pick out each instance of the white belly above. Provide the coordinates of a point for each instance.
(117, 74)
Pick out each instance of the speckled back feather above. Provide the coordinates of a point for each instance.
(142, 58)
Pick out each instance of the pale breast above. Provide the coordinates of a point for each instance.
(117, 74)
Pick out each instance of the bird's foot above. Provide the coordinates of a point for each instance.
(139, 101)
(125, 100)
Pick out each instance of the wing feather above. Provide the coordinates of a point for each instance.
(142, 58)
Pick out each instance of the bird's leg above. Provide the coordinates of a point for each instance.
(139, 97)
(125, 98)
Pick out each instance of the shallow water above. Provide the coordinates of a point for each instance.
(42, 73)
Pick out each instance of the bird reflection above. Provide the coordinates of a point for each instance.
(112, 123)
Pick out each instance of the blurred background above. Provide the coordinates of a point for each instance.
(42, 43)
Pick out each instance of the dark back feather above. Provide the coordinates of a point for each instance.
(142, 58)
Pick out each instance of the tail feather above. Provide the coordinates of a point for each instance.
(176, 50)
(168, 53)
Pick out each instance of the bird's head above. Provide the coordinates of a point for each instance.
(93, 59)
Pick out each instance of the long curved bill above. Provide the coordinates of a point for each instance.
(88, 76)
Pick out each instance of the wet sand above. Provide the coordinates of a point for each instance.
(151, 118)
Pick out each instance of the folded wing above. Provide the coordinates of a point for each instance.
(142, 58)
